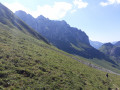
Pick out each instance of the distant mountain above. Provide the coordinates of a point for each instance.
(117, 43)
(96, 44)
(106, 48)
(112, 51)
(62, 35)
(114, 42)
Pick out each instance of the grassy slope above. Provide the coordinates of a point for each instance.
(26, 63)
(8, 18)
(97, 62)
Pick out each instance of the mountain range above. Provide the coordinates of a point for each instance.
(65, 37)
(96, 44)
(61, 35)
(29, 61)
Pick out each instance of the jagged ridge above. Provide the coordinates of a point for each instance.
(62, 35)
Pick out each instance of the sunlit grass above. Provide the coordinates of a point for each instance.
(27, 63)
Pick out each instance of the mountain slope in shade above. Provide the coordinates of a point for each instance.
(106, 48)
(62, 35)
(113, 51)
(96, 44)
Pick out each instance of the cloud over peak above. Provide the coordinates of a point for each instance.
(56, 11)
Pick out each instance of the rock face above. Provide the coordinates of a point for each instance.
(112, 51)
(28, 18)
(62, 35)
(54, 30)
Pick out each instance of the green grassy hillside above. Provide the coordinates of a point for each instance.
(27, 63)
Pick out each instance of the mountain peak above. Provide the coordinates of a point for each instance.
(1, 4)
(23, 14)
(117, 43)
(106, 48)
(41, 17)
(108, 44)
(64, 22)
(21, 11)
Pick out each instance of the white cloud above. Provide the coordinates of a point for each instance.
(103, 4)
(74, 10)
(110, 2)
(16, 6)
(57, 11)
(80, 3)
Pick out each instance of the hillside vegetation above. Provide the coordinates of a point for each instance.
(26, 63)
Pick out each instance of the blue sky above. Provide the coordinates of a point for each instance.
(99, 19)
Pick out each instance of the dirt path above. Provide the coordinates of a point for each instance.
(116, 87)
